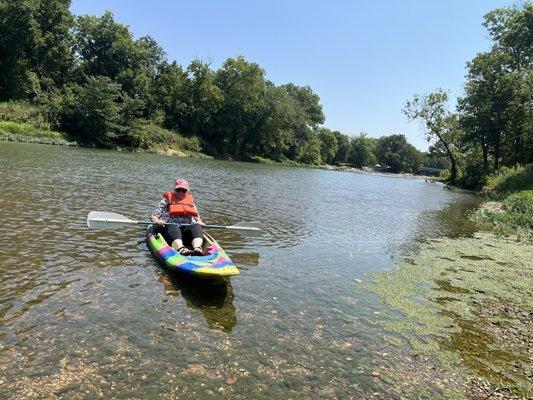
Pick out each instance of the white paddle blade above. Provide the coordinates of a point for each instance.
(107, 220)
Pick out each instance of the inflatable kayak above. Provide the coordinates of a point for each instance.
(214, 263)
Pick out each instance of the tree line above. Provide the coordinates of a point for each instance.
(92, 79)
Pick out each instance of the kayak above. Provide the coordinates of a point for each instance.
(215, 263)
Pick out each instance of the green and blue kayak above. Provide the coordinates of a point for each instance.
(214, 263)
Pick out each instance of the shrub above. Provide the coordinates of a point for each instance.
(18, 111)
(521, 202)
(509, 180)
(149, 136)
(16, 128)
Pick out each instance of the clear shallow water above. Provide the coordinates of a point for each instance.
(90, 313)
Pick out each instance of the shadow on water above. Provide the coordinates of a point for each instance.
(213, 298)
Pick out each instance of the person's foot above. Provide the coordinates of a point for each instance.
(184, 251)
(197, 251)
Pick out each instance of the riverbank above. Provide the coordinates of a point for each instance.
(21, 132)
(468, 303)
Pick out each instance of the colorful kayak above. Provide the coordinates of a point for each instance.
(214, 263)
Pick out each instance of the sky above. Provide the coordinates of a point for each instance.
(363, 58)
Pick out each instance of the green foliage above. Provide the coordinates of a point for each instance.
(362, 151)
(23, 129)
(28, 133)
(441, 126)
(149, 136)
(495, 111)
(343, 141)
(18, 111)
(399, 156)
(329, 145)
(509, 180)
(520, 202)
(92, 112)
(88, 76)
(309, 151)
(514, 215)
(34, 46)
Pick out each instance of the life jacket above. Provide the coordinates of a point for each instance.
(180, 208)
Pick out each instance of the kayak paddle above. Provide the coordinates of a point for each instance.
(111, 220)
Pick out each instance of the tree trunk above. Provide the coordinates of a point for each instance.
(496, 154)
(485, 149)
(453, 161)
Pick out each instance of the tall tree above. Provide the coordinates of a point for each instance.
(439, 123)
(244, 88)
(107, 48)
(496, 110)
(329, 145)
(34, 46)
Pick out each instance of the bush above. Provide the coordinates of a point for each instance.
(18, 111)
(472, 178)
(149, 136)
(521, 202)
(509, 180)
(16, 128)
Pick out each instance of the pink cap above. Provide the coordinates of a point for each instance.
(181, 184)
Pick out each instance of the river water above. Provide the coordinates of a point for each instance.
(87, 314)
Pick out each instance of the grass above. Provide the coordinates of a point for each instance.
(22, 112)
(28, 133)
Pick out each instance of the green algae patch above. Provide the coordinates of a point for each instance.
(467, 302)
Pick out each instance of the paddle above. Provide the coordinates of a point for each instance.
(111, 220)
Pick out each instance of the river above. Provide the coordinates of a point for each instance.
(90, 313)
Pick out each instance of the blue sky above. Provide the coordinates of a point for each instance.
(363, 58)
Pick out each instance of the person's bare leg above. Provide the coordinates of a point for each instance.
(177, 244)
(197, 245)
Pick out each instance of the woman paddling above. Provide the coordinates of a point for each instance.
(178, 208)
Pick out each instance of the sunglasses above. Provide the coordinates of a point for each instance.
(179, 190)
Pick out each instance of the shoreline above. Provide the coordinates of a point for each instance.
(173, 152)
(460, 303)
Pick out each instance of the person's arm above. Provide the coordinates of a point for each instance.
(157, 213)
(198, 218)
(157, 220)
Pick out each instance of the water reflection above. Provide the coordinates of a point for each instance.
(213, 298)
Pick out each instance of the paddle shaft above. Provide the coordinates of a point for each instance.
(203, 226)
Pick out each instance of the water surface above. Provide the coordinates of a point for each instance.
(90, 313)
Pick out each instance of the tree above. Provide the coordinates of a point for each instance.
(495, 111)
(93, 112)
(308, 101)
(244, 89)
(309, 150)
(362, 151)
(343, 141)
(439, 124)
(396, 153)
(328, 146)
(107, 48)
(167, 93)
(34, 46)
(202, 99)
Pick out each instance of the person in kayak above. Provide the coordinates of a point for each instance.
(178, 207)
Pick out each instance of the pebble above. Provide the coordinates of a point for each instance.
(231, 380)
(376, 374)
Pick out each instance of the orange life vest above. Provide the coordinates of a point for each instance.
(180, 208)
